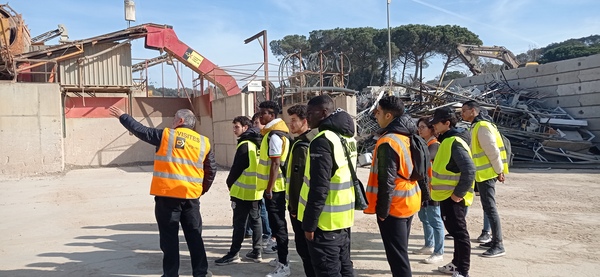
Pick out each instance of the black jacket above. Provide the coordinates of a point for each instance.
(460, 161)
(322, 166)
(241, 161)
(297, 165)
(154, 136)
(387, 164)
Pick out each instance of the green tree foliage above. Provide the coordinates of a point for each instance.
(568, 49)
(289, 44)
(451, 36)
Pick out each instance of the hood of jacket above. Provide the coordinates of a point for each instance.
(403, 125)
(340, 122)
(459, 132)
(252, 134)
(276, 124)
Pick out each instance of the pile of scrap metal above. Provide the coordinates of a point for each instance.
(537, 134)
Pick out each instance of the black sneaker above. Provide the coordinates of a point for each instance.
(496, 251)
(448, 236)
(486, 245)
(228, 259)
(485, 237)
(254, 255)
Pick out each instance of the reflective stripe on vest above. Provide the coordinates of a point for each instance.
(244, 188)
(483, 166)
(338, 211)
(444, 181)
(263, 170)
(406, 197)
(179, 164)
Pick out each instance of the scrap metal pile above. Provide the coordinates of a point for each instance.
(537, 134)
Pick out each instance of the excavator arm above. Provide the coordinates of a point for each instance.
(469, 54)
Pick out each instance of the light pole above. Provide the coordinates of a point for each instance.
(389, 46)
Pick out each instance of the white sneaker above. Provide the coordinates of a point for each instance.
(424, 251)
(434, 259)
(280, 271)
(448, 269)
(270, 247)
(274, 262)
(456, 274)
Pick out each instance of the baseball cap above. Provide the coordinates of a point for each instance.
(443, 113)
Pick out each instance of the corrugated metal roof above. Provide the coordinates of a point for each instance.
(110, 69)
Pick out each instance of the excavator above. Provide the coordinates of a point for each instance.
(470, 54)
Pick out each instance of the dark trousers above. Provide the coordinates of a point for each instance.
(330, 253)
(245, 211)
(394, 233)
(453, 215)
(302, 247)
(169, 213)
(276, 210)
(487, 192)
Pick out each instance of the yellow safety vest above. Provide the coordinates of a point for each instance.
(244, 187)
(484, 168)
(264, 165)
(179, 164)
(444, 181)
(338, 212)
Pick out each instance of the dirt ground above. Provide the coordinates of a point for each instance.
(100, 222)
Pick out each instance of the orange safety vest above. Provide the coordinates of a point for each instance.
(429, 143)
(179, 164)
(406, 198)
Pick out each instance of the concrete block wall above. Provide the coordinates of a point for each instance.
(574, 85)
(224, 110)
(31, 139)
(94, 138)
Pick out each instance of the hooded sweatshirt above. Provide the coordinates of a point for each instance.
(388, 170)
(460, 161)
(322, 166)
(241, 161)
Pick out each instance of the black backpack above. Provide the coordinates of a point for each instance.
(419, 153)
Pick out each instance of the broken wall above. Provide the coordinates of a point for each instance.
(574, 85)
(31, 139)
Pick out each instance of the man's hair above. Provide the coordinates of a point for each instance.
(323, 101)
(473, 105)
(298, 110)
(453, 120)
(255, 117)
(393, 105)
(270, 105)
(242, 120)
(189, 119)
(425, 119)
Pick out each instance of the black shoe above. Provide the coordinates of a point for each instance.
(487, 245)
(448, 236)
(228, 259)
(485, 237)
(496, 251)
(254, 255)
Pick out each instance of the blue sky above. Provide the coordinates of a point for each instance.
(217, 29)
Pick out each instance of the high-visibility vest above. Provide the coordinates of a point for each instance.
(244, 188)
(406, 198)
(264, 165)
(484, 168)
(179, 164)
(444, 181)
(338, 212)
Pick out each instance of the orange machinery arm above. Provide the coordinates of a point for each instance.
(163, 38)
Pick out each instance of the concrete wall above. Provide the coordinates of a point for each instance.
(94, 138)
(574, 85)
(30, 129)
(224, 110)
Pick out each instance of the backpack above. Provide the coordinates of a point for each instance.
(508, 148)
(419, 154)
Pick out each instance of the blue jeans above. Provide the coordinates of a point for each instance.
(265, 222)
(433, 227)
